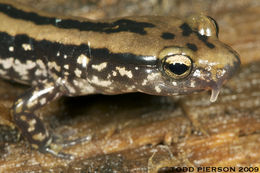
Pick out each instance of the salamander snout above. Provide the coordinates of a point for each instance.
(221, 75)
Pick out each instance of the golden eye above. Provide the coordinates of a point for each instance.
(205, 25)
(177, 66)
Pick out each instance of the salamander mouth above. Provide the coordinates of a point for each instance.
(216, 86)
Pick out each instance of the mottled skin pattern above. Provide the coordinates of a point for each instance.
(61, 56)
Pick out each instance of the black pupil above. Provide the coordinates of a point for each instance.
(178, 68)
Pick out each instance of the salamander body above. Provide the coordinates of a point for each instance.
(69, 56)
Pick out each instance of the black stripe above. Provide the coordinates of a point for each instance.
(117, 26)
(204, 39)
(186, 29)
(167, 35)
(191, 46)
(48, 50)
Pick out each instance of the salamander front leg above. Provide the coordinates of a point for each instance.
(31, 126)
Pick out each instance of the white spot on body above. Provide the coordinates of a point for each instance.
(41, 69)
(78, 72)
(99, 67)
(84, 86)
(68, 86)
(30, 64)
(129, 89)
(152, 76)
(206, 62)
(83, 60)
(99, 82)
(65, 56)
(144, 82)
(54, 76)
(122, 71)
(7, 63)
(136, 68)
(54, 65)
(23, 69)
(192, 84)
(31, 125)
(148, 71)
(43, 101)
(66, 66)
(26, 46)
(2, 72)
(40, 63)
(174, 83)
(11, 48)
(197, 73)
(23, 117)
(62, 81)
(39, 137)
(157, 89)
(114, 73)
(58, 53)
(132, 87)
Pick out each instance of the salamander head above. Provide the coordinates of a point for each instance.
(203, 63)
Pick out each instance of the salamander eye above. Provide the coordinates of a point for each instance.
(205, 25)
(215, 23)
(177, 66)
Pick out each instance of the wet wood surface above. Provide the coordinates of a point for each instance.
(143, 133)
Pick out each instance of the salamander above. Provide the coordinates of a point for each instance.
(70, 56)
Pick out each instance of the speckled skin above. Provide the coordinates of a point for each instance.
(62, 56)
